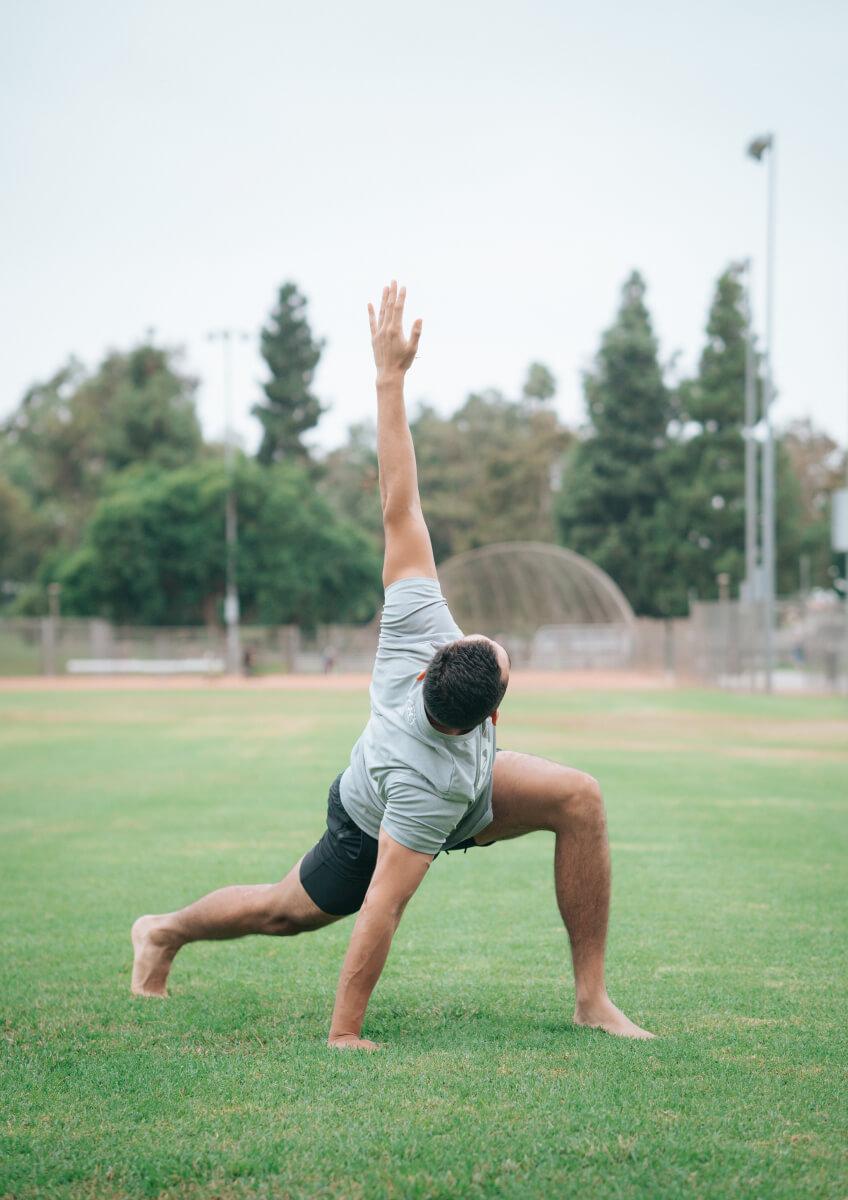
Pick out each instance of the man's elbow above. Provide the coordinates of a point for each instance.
(400, 509)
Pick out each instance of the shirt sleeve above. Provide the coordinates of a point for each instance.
(419, 818)
(416, 622)
(416, 610)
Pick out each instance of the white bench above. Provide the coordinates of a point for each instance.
(145, 666)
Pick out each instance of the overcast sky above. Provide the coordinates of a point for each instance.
(167, 166)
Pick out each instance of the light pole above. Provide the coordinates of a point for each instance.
(231, 601)
(751, 541)
(757, 149)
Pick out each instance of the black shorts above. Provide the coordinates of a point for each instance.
(337, 870)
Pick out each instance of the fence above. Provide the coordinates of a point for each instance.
(719, 644)
(35, 646)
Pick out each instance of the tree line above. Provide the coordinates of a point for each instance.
(108, 488)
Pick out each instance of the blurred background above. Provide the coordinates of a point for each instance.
(624, 229)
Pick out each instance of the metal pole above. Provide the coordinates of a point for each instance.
(757, 149)
(231, 599)
(769, 516)
(751, 547)
(54, 591)
(845, 606)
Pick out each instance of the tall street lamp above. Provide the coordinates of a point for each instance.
(757, 149)
(231, 601)
(742, 270)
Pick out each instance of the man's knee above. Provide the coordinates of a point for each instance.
(582, 800)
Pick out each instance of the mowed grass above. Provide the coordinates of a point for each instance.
(728, 818)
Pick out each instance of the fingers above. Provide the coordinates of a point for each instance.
(391, 312)
(415, 337)
(383, 303)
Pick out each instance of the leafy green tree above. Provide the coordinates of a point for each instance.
(306, 566)
(698, 528)
(350, 481)
(24, 536)
(71, 435)
(291, 354)
(613, 482)
(539, 386)
(486, 473)
(818, 465)
(146, 409)
(154, 551)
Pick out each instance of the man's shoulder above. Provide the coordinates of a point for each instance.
(416, 611)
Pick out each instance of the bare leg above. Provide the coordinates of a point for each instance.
(277, 909)
(529, 794)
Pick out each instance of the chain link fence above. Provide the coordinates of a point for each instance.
(720, 644)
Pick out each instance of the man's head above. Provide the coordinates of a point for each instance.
(465, 682)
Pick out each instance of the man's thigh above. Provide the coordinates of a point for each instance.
(528, 793)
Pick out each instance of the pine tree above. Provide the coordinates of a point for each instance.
(613, 483)
(292, 355)
(699, 526)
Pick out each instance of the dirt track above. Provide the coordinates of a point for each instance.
(594, 681)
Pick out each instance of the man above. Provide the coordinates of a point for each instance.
(423, 777)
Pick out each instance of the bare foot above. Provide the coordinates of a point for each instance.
(153, 955)
(349, 1042)
(605, 1015)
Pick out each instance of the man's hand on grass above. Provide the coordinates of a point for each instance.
(349, 1041)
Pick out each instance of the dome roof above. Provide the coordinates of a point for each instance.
(518, 587)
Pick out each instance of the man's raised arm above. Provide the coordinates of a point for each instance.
(409, 552)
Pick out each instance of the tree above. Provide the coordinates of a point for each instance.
(613, 480)
(818, 465)
(307, 565)
(154, 551)
(539, 386)
(485, 473)
(291, 354)
(698, 527)
(23, 538)
(71, 435)
(350, 481)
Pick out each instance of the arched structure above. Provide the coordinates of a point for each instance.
(550, 606)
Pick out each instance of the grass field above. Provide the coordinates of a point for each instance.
(728, 818)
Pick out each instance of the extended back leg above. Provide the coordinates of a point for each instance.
(275, 909)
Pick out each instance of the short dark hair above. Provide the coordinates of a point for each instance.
(463, 684)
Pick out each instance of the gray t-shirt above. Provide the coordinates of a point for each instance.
(428, 790)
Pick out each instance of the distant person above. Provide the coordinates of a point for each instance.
(422, 778)
(247, 659)
(328, 660)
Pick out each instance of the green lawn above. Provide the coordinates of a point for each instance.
(729, 823)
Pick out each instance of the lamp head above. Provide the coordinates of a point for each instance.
(759, 146)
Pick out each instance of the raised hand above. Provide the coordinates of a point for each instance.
(393, 352)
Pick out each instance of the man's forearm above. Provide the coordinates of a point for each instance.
(366, 956)
(395, 451)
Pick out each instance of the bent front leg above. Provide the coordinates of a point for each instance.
(530, 794)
